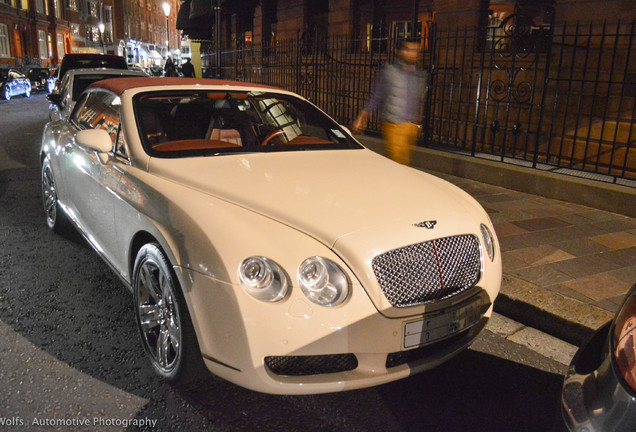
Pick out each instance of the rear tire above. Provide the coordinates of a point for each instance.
(55, 217)
(6, 93)
(163, 319)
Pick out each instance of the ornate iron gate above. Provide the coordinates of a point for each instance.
(518, 91)
(488, 93)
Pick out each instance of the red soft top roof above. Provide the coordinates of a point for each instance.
(120, 85)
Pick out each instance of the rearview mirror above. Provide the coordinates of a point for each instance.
(95, 139)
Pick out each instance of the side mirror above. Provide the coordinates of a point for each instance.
(55, 114)
(95, 139)
(55, 98)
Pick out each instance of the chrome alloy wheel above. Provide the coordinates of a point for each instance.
(49, 194)
(158, 316)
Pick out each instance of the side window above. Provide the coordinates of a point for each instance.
(79, 108)
(85, 116)
(98, 110)
(64, 89)
(120, 145)
(108, 105)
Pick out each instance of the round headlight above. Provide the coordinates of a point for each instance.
(263, 279)
(489, 241)
(322, 281)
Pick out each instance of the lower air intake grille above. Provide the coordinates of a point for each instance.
(428, 271)
(417, 354)
(311, 365)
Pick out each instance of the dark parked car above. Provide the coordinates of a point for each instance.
(41, 79)
(13, 83)
(599, 392)
(86, 60)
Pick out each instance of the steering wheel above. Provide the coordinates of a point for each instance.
(271, 136)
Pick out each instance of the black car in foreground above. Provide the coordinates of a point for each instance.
(13, 83)
(599, 392)
(41, 79)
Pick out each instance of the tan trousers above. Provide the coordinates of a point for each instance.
(399, 140)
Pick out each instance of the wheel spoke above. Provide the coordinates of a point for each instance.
(174, 332)
(164, 287)
(149, 317)
(162, 347)
(149, 282)
(50, 204)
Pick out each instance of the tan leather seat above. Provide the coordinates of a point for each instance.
(228, 135)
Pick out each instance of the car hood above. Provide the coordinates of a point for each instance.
(327, 194)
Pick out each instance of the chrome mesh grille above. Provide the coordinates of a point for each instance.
(311, 365)
(428, 271)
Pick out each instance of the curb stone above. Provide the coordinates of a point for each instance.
(563, 317)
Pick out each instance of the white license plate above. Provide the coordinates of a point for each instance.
(442, 325)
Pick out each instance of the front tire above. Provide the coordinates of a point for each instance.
(6, 93)
(163, 320)
(27, 93)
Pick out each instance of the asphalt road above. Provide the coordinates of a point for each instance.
(70, 358)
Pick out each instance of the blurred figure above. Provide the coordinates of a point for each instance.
(399, 92)
(188, 69)
(169, 68)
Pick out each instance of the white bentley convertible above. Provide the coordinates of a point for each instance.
(262, 241)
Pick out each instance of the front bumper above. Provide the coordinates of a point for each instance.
(594, 398)
(295, 347)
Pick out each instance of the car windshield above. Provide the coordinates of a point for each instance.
(203, 123)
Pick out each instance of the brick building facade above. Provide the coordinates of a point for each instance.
(40, 32)
(284, 19)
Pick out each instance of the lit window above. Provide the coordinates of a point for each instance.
(58, 8)
(60, 46)
(42, 7)
(42, 44)
(4, 41)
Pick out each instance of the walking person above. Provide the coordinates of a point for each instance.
(169, 68)
(398, 93)
(188, 69)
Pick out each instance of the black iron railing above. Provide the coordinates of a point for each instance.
(562, 101)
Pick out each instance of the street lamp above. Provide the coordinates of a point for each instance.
(166, 11)
(101, 27)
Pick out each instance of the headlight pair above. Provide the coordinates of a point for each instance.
(321, 280)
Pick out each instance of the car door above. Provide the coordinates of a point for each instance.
(92, 178)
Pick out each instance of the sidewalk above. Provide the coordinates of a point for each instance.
(566, 265)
